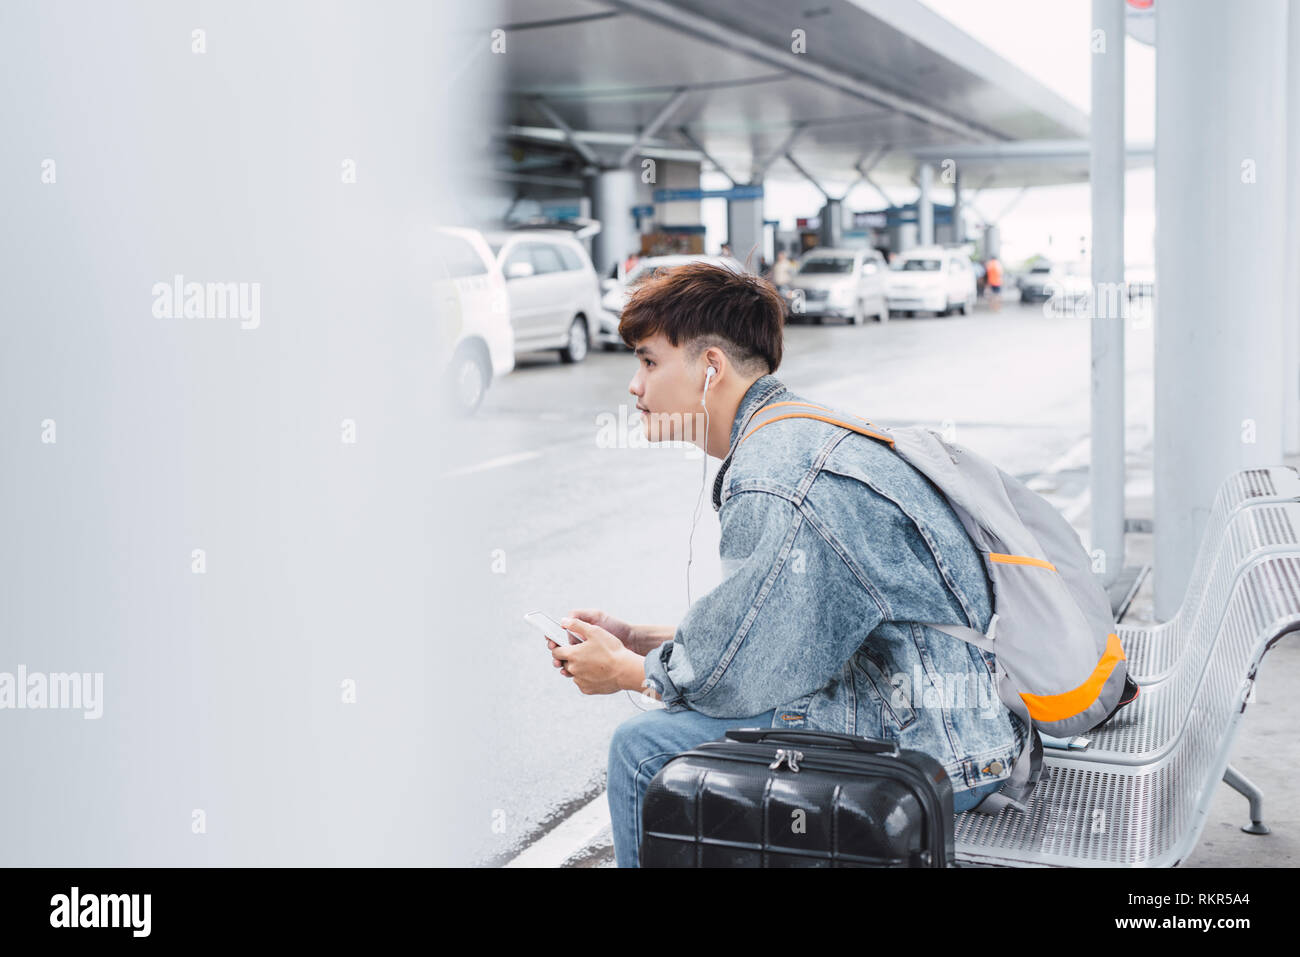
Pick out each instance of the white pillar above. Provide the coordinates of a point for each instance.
(925, 206)
(1110, 302)
(613, 194)
(958, 223)
(832, 217)
(1291, 270)
(745, 230)
(1220, 192)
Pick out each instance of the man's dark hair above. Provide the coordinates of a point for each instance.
(701, 305)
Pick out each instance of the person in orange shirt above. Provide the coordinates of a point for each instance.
(993, 282)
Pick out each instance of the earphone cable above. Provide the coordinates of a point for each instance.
(695, 521)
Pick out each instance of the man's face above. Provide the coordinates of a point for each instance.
(667, 390)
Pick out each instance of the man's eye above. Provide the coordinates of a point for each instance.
(647, 362)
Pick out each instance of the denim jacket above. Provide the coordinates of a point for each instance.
(834, 551)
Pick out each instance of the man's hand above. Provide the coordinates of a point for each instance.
(641, 639)
(615, 626)
(601, 664)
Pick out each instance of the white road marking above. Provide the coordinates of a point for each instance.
(578, 831)
(1075, 456)
(495, 463)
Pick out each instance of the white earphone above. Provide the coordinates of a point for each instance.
(708, 377)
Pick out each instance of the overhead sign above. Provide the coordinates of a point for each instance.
(863, 220)
(735, 192)
(562, 212)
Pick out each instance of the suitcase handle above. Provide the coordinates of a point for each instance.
(845, 742)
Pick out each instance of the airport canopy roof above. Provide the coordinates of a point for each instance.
(880, 83)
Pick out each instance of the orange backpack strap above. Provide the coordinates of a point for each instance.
(812, 415)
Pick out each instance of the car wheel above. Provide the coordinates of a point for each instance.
(576, 350)
(816, 320)
(947, 309)
(468, 381)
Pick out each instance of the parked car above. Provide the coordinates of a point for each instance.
(844, 283)
(1033, 285)
(473, 315)
(932, 279)
(553, 290)
(1140, 280)
(1065, 284)
(615, 291)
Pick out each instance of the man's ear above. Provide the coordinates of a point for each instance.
(716, 359)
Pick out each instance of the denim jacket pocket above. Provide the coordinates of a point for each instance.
(869, 672)
(794, 714)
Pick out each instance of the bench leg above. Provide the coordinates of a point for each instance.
(1239, 783)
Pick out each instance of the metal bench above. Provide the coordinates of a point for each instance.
(1140, 794)
(1153, 650)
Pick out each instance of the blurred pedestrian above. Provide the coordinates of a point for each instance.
(782, 270)
(993, 282)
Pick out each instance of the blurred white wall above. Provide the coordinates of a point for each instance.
(225, 161)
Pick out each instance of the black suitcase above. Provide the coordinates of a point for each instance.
(774, 798)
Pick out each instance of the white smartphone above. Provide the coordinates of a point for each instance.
(551, 628)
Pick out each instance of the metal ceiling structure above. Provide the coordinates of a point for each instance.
(590, 83)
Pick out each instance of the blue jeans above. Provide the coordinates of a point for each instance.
(645, 742)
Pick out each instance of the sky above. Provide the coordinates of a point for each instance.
(1049, 41)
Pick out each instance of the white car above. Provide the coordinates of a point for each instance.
(1072, 286)
(1063, 284)
(1140, 281)
(473, 315)
(553, 290)
(847, 283)
(1066, 287)
(933, 279)
(616, 291)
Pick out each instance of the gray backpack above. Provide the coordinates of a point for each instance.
(1060, 667)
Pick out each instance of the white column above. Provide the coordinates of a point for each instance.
(958, 224)
(832, 216)
(613, 194)
(745, 230)
(1291, 270)
(925, 206)
(1106, 174)
(1221, 187)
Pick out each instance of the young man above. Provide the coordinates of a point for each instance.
(834, 551)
